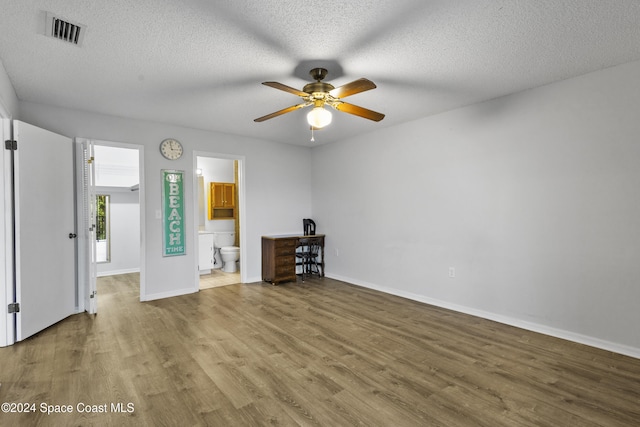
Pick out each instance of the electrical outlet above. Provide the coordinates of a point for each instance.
(452, 272)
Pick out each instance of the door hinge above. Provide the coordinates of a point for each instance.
(93, 294)
(10, 144)
(14, 307)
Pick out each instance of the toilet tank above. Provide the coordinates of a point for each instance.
(224, 238)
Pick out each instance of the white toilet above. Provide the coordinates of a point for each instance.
(223, 242)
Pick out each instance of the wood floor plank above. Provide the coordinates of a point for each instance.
(322, 352)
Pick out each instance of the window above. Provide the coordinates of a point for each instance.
(103, 240)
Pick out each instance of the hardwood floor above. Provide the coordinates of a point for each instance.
(316, 353)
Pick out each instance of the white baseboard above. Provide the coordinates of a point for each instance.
(511, 321)
(173, 293)
(254, 279)
(116, 272)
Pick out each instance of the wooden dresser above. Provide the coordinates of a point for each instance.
(279, 257)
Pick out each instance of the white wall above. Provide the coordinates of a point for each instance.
(275, 202)
(533, 198)
(124, 218)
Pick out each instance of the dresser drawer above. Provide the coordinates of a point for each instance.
(285, 244)
(284, 251)
(285, 271)
(285, 260)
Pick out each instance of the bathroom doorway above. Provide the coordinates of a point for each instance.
(219, 203)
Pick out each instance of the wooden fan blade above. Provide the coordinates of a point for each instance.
(279, 113)
(359, 111)
(352, 88)
(285, 88)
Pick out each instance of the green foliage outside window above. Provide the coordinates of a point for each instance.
(101, 217)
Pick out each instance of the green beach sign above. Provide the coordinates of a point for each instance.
(173, 227)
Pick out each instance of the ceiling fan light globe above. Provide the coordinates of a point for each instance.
(319, 117)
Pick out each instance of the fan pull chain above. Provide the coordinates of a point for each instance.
(312, 138)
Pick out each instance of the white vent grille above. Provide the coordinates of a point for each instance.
(65, 30)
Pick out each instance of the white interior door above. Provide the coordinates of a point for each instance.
(45, 229)
(87, 261)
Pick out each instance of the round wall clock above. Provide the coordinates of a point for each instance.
(171, 149)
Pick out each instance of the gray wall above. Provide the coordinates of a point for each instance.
(8, 98)
(532, 198)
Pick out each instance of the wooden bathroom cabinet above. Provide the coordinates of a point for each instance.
(222, 200)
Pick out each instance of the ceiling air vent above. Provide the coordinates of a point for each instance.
(65, 30)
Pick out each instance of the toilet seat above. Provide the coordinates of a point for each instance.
(229, 255)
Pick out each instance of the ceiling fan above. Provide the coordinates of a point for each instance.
(320, 94)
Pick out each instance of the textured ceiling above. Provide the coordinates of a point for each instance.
(199, 63)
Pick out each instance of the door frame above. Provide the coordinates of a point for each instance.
(7, 324)
(86, 243)
(241, 209)
(85, 289)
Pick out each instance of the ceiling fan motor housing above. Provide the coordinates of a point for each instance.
(318, 73)
(318, 89)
